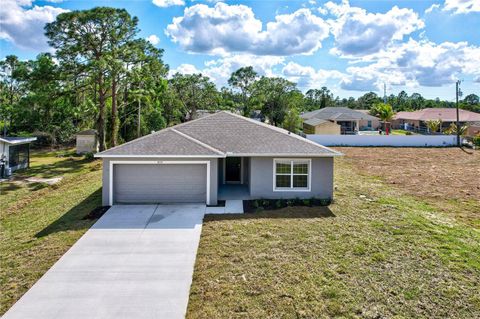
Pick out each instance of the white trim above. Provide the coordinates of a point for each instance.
(283, 154)
(17, 142)
(225, 169)
(110, 175)
(292, 161)
(100, 155)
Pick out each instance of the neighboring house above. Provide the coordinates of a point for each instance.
(473, 129)
(348, 121)
(87, 142)
(417, 120)
(15, 154)
(322, 127)
(220, 156)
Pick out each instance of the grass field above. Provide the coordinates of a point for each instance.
(38, 223)
(387, 252)
(401, 240)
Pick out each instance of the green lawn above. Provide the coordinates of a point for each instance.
(382, 255)
(374, 253)
(38, 223)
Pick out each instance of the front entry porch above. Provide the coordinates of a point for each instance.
(234, 176)
(233, 191)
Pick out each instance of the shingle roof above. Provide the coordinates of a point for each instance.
(338, 113)
(219, 135)
(164, 142)
(315, 122)
(444, 114)
(87, 132)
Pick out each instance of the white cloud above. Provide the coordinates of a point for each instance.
(225, 29)
(359, 33)
(434, 6)
(416, 63)
(23, 25)
(185, 69)
(219, 70)
(168, 3)
(462, 6)
(153, 39)
(307, 77)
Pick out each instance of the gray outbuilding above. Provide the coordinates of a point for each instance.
(219, 156)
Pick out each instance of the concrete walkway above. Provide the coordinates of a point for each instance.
(135, 262)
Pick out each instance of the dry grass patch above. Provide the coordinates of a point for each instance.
(447, 178)
(382, 255)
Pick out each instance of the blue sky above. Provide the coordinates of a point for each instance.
(352, 47)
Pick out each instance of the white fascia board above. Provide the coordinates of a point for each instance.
(157, 156)
(284, 155)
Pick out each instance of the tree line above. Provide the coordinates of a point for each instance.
(104, 76)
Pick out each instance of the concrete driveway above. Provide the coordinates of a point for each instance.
(135, 262)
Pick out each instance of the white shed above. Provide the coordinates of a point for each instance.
(87, 142)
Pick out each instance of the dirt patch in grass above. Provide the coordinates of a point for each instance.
(448, 178)
(425, 172)
(383, 254)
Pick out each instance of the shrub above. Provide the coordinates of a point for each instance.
(89, 156)
(476, 140)
(278, 204)
(306, 202)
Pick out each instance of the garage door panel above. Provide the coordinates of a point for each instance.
(159, 183)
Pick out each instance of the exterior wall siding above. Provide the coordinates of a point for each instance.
(261, 179)
(213, 174)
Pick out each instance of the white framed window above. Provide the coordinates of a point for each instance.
(291, 174)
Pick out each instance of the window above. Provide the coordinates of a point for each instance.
(18, 155)
(291, 175)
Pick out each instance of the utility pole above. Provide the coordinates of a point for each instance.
(138, 119)
(457, 93)
(384, 93)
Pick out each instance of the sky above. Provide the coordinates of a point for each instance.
(352, 47)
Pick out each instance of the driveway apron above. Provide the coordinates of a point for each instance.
(136, 262)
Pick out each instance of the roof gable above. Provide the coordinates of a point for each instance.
(219, 135)
(338, 113)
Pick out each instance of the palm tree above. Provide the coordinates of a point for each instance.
(384, 112)
(434, 125)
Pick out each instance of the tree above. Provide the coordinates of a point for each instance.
(242, 79)
(319, 98)
(273, 96)
(195, 92)
(384, 112)
(368, 101)
(292, 121)
(93, 41)
(434, 125)
(11, 71)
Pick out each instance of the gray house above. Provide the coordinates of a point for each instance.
(217, 157)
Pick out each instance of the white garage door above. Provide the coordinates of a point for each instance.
(159, 183)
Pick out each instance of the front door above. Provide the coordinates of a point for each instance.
(233, 169)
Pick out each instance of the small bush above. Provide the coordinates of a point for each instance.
(476, 140)
(307, 202)
(278, 204)
(89, 156)
(408, 133)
